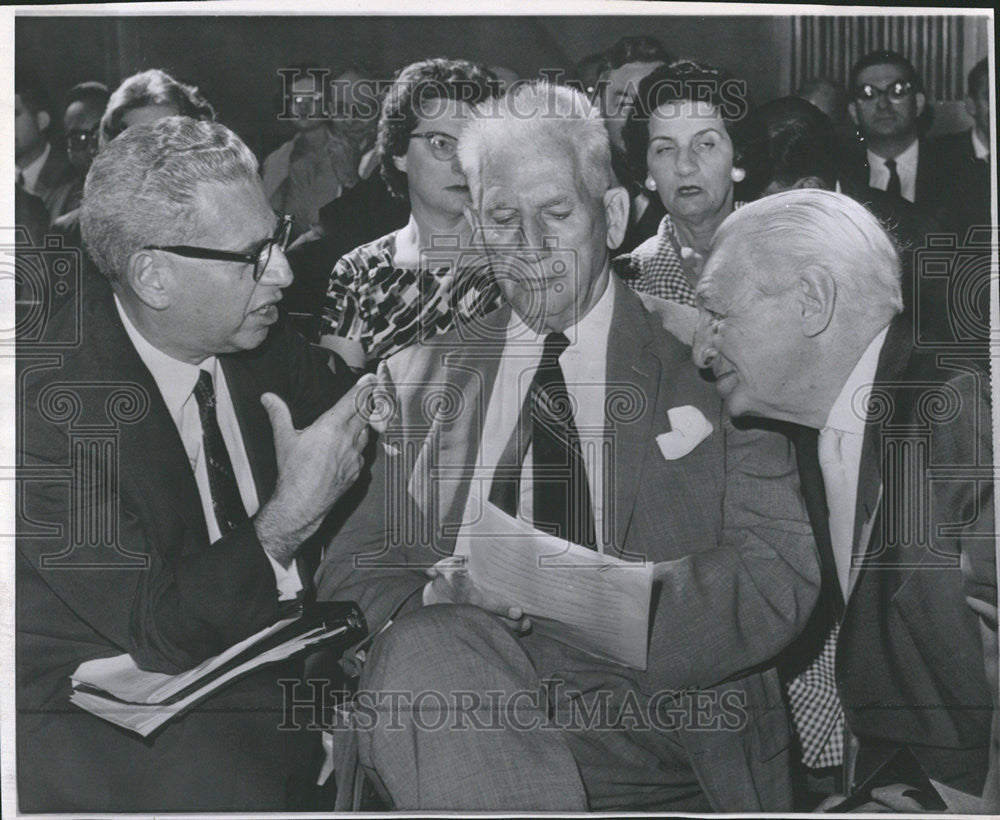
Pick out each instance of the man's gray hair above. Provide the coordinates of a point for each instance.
(537, 114)
(142, 186)
(810, 226)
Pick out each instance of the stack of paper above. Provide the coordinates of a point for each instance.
(116, 690)
(590, 600)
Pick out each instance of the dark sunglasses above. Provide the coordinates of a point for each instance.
(258, 257)
(896, 92)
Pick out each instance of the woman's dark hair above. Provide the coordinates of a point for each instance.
(152, 87)
(413, 86)
(686, 80)
(636, 50)
(801, 142)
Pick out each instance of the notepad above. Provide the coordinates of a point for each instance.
(593, 601)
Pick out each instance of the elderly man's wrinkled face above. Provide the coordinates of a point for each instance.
(546, 236)
(749, 339)
(216, 306)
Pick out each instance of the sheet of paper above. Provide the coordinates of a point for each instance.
(120, 676)
(144, 718)
(593, 601)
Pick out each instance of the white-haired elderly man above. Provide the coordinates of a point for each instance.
(164, 516)
(800, 321)
(465, 706)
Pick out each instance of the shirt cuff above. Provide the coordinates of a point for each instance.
(288, 580)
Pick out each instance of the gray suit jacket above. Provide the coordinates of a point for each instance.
(745, 572)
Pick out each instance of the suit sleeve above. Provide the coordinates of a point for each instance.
(379, 555)
(726, 609)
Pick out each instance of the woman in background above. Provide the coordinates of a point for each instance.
(420, 280)
(149, 96)
(692, 136)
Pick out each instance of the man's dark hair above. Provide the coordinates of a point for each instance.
(886, 58)
(689, 81)
(801, 142)
(978, 77)
(91, 92)
(419, 83)
(636, 50)
(33, 94)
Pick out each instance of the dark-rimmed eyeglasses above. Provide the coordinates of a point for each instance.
(258, 257)
(896, 92)
(443, 146)
(82, 140)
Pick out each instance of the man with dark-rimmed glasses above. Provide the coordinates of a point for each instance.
(889, 107)
(228, 452)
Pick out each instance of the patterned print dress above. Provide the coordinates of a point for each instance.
(386, 308)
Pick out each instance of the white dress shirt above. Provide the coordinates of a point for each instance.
(29, 173)
(584, 366)
(906, 167)
(176, 381)
(846, 421)
(979, 148)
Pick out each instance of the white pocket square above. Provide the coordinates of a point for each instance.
(689, 428)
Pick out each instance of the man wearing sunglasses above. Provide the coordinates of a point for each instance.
(887, 105)
(226, 451)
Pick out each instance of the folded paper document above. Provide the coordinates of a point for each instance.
(590, 600)
(116, 690)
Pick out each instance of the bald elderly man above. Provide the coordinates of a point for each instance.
(897, 685)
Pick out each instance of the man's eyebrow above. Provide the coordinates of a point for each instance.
(561, 199)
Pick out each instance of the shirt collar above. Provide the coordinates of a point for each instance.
(979, 148)
(590, 333)
(33, 169)
(849, 411)
(174, 378)
(906, 160)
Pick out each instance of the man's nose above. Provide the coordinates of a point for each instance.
(277, 271)
(703, 350)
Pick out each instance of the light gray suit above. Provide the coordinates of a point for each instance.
(744, 580)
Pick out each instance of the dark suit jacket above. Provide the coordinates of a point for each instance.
(746, 574)
(918, 636)
(58, 185)
(113, 556)
(932, 179)
(968, 194)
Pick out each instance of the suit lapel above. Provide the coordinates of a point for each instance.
(891, 365)
(631, 366)
(154, 439)
(450, 453)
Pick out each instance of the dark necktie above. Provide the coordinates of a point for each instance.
(560, 490)
(895, 187)
(226, 499)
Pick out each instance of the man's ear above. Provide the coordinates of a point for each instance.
(921, 102)
(148, 279)
(852, 109)
(616, 205)
(817, 296)
(43, 119)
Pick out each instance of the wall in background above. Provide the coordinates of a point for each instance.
(234, 59)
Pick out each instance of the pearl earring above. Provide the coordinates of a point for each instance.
(650, 183)
(738, 174)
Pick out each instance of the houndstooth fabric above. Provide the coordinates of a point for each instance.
(655, 266)
(816, 711)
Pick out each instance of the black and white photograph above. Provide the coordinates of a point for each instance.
(564, 408)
